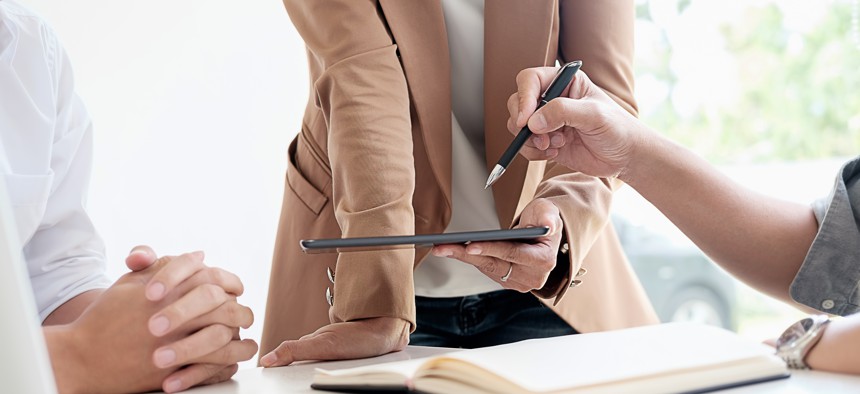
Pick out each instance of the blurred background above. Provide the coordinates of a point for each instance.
(195, 102)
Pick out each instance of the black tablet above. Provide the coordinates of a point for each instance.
(423, 240)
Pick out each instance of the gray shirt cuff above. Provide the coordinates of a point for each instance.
(829, 277)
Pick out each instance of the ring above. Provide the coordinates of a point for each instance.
(508, 275)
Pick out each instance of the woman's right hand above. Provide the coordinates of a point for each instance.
(583, 129)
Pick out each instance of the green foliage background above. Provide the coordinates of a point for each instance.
(799, 96)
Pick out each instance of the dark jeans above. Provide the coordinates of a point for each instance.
(487, 319)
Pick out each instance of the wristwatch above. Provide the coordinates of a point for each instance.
(799, 338)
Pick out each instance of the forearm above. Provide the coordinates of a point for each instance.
(837, 349)
(759, 239)
(65, 360)
(72, 309)
(360, 88)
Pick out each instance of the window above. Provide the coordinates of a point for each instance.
(766, 90)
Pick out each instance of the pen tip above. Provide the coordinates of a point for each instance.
(494, 175)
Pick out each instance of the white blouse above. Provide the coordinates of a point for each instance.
(45, 159)
(474, 207)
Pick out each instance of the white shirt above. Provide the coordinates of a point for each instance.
(474, 207)
(46, 158)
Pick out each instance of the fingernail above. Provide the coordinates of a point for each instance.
(159, 325)
(268, 359)
(173, 385)
(519, 118)
(138, 252)
(538, 141)
(557, 140)
(164, 357)
(473, 250)
(539, 121)
(444, 253)
(155, 291)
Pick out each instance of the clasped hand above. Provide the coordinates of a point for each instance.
(171, 323)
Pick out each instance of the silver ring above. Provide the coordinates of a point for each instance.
(508, 275)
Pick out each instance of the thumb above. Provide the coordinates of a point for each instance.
(542, 213)
(140, 258)
(560, 112)
(310, 347)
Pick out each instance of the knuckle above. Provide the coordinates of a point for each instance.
(223, 374)
(234, 314)
(523, 75)
(227, 355)
(598, 112)
(227, 373)
(512, 254)
(223, 334)
(487, 266)
(283, 351)
(213, 292)
(178, 311)
(212, 370)
(189, 259)
(213, 276)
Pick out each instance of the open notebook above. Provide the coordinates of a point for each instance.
(24, 363)
(667, 358)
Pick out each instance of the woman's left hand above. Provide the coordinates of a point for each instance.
(521, 266)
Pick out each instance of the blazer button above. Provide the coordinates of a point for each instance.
(575, 283)
(330, 274)
(329, 297)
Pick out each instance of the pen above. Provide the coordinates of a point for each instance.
(561, 80)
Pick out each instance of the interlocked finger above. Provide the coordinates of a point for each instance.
(198, 374)
(230, 314)
(199, 344)
(173, 273)
(215, 276)
(235, 351)
(199, 301)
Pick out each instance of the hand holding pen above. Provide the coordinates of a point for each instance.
(584, 130)
(556, 87)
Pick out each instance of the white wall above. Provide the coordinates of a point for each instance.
(194, 104)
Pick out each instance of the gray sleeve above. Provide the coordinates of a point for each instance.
(829, 277)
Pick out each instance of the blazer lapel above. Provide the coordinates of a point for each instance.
(418, 28)
(517, 35)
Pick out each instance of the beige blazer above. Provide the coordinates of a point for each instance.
(374, 156)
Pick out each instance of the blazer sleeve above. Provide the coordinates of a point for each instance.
(600, 33)
(361, 90)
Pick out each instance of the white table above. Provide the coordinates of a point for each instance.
(297, 378)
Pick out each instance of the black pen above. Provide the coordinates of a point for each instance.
(561, 80)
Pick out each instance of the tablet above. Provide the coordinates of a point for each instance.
(423, 240)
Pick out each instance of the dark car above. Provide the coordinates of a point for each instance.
(682, 283)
